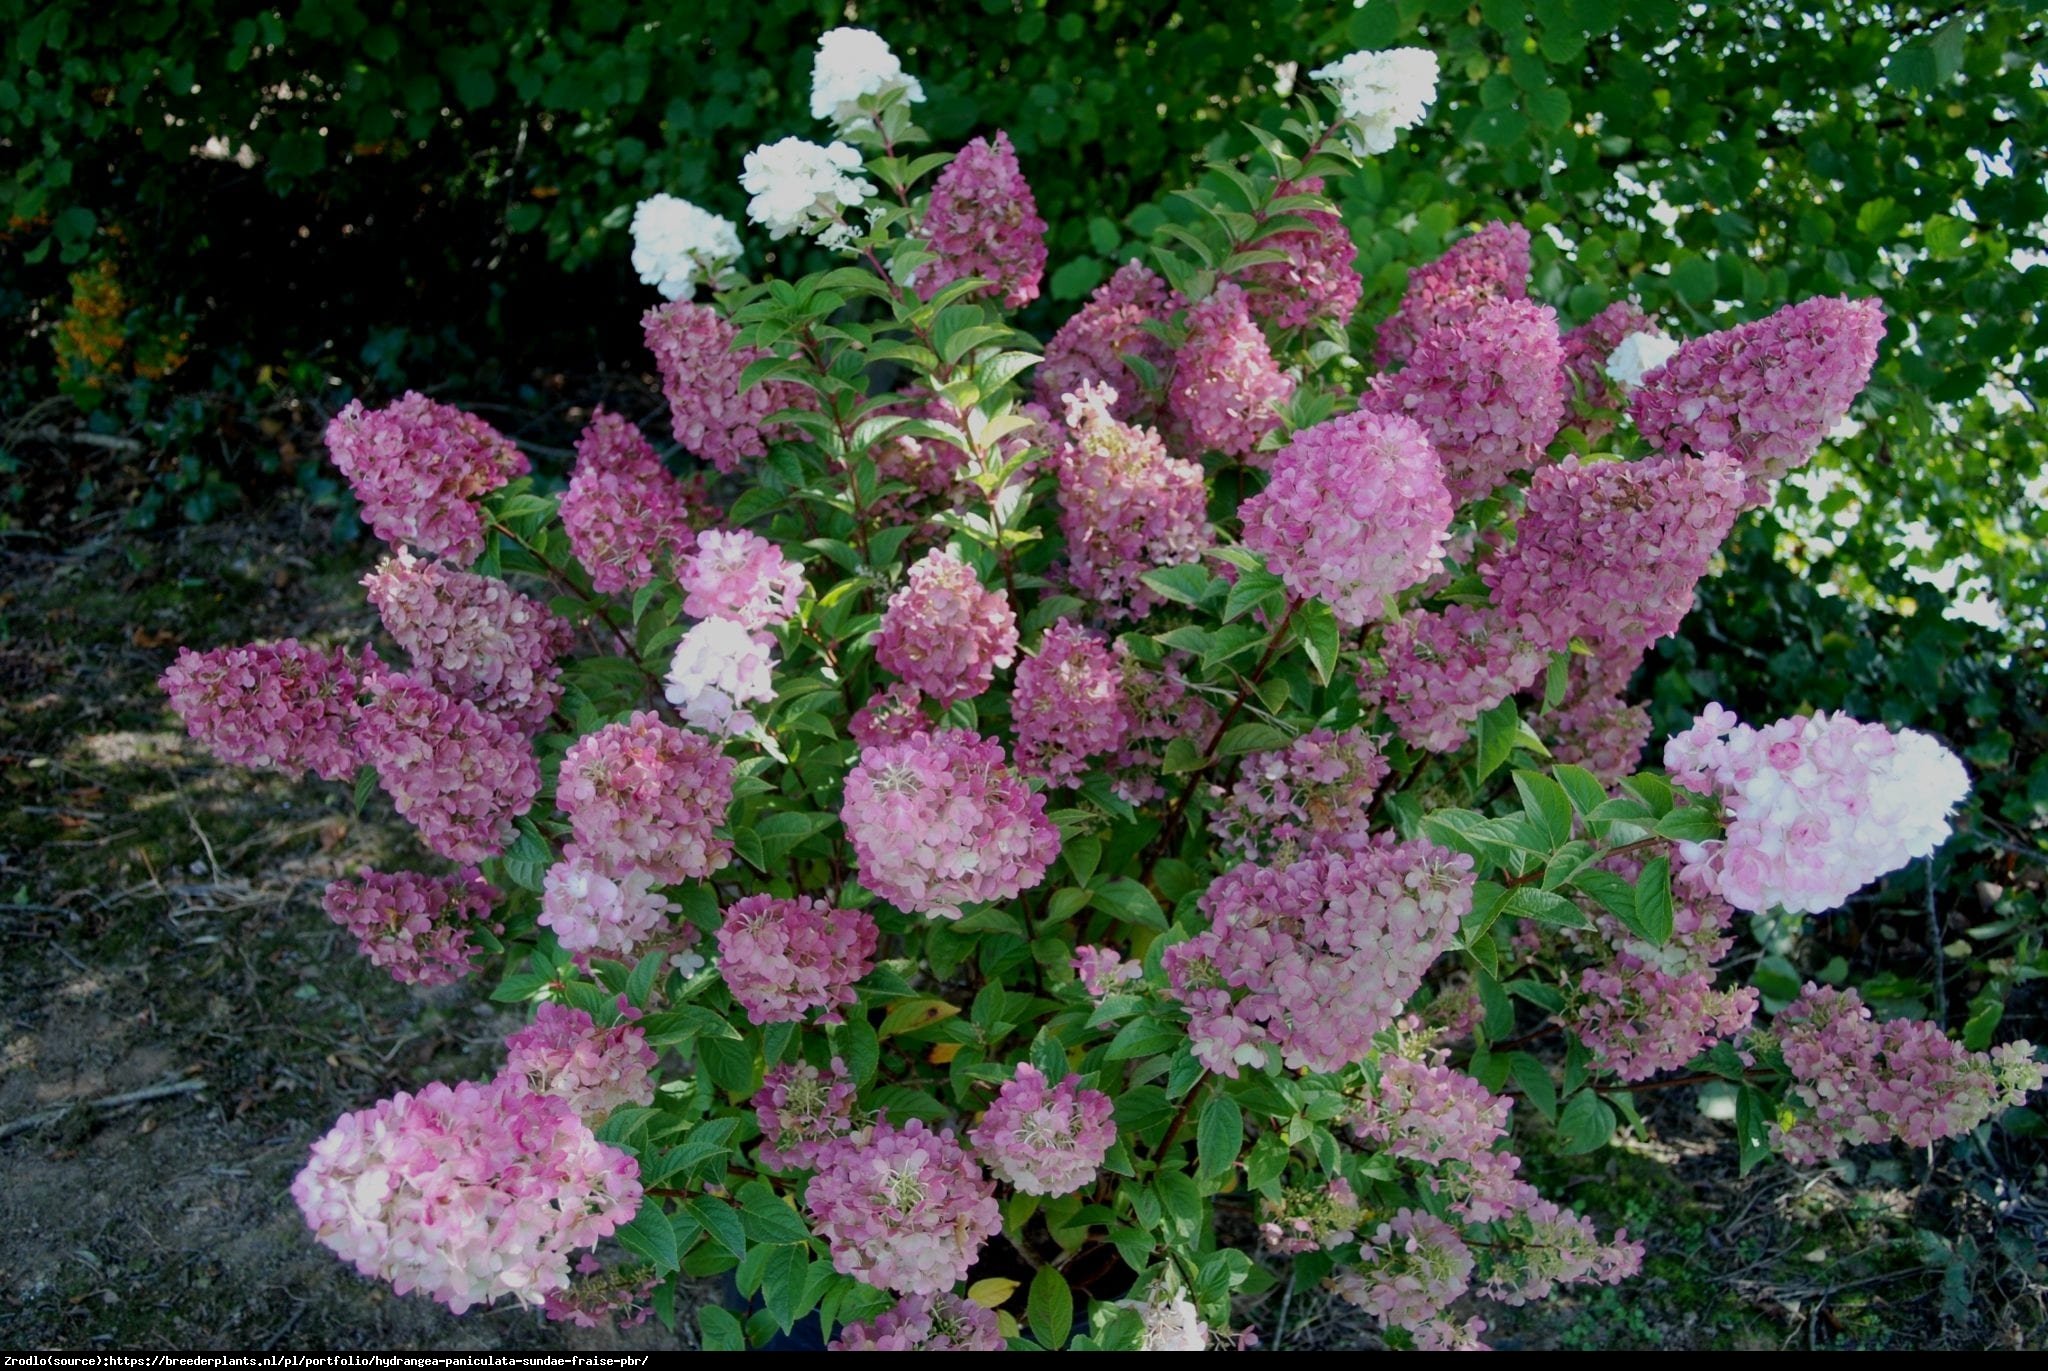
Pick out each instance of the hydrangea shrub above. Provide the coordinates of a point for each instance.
(1080, 828)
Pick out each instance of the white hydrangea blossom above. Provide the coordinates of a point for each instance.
(852, 64)
(1637, 356)
(801, 187)
(676, 245)
(1380, 93)
(719, 668)
(1172, 1324)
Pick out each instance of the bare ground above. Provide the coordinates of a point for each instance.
(162, 931)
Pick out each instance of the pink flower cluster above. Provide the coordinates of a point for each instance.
(625, 514)
(1089, 349)
(1126, 507)
(417, 467)
(1650, 1009)
(1441, 669)
(944, 632)
(983, 221)
(590, 911)
(644, 795)
(940, 820)
(1069, 705)
(1768, 391)
(1856, 1080)
(1613, 551)
(1427, 1112)
(1318, 281)
(891, 714)
(458, 775)
(1101, 969)
(466, 1192)
(1163, 707)
(473, 636)
(286, 706)
(1356, 512)
(741, 576)
(701, 364)
(605, 1296)
(905, 1209)
(1044, 1139)
(565, 1054)
(1310, 1220)
(782, 958)
(1490, 265)
(1586, 350)
(1546, 1245)
(718, 669)
(1818, 807)
(943, 1322)
(416, 927)
(1225, 384)
(1594, 727)
(801, 1110)
(1326, 952)
(1486, 391)
(1410, 1270)
(1309, 796)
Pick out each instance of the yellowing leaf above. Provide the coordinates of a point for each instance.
(942, 1053)
(911, 1015)
(992, 1293)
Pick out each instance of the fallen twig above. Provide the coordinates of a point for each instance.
(106, 1104)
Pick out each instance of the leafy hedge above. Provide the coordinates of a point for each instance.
(456, 156)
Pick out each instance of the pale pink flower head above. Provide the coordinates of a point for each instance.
(940, 820)
(1492, 264)
(1225, 384)
(624, 513)
(283, 706)
(1318, 282)
(1768, 392)
(701, 364)
(1817, 807)
(1310, 960)
(944, 632)
(1126, 507)
(418, 928)
(1089, 349)
(1486, 391)
(1305, 797)
(417, 468)
(782, 958)
(1069, 705)
(1410, 1270)
(1041, 1138)
(643, 795)
(1356, 512)
(893, 713)
(565, 1054)
(458, 775)
(943, 1322)
(719, 668)
(473, 636)
(1101, 969)
(905, 1209)
(592, 912)
(983, 221)
(741, 576)
(467, 1192)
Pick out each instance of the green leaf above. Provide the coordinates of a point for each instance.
(717, 1219)
(1050, 1308)
(1545, 801)
(1254, 590)
(1144, 1038)
(1653, 900)
(1586, 1124)
(1184, 585)
(652, 1236)
(782, 1284)
(1244, 738)
(766, 1217)
(1752, 1127)
(1545, 907)
(1219, 1137)
(1537, 1087)
(1585, 790)
(1132, 903)
(719, 1331)
(1777, 979)
(1496, 730)
(1693, 823)
(1321, 639)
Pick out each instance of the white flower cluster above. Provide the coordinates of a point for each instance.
(676, 245)
(1380, 93)
(718, 670)
(1637, 356)
(800, 187)
(852, 65)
